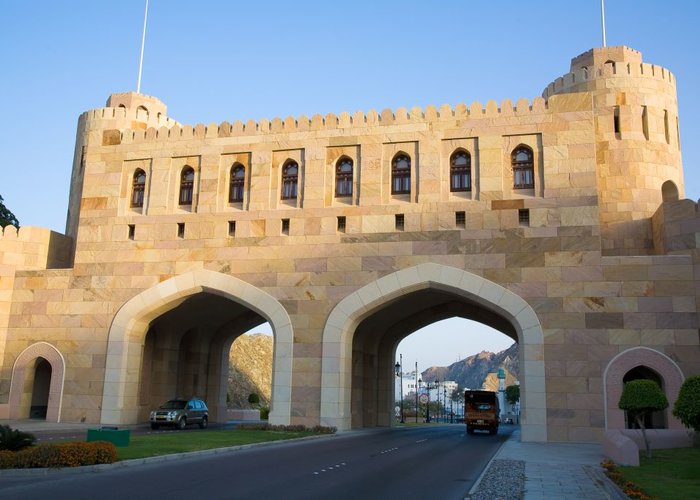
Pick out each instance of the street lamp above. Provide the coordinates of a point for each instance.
(399, 373)
(436, 385)
(416, 390)
(444, 402)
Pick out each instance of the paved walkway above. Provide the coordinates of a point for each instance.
(560, 470)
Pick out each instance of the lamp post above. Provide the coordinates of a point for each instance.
(444, 402)
(416, 373)
(427, 405)
(437, 397)
(399, 373)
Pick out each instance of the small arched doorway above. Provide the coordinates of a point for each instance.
(36, 387)
(644, 363)
(40, 389)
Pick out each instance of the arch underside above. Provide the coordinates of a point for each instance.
(377, 337)
(363, 330)
(173, 340)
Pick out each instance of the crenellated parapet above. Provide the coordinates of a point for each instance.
(167, 129)
(582, 75)
(33, 248)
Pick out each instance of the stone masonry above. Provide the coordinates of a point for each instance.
(180, 238)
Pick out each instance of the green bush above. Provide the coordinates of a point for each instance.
(687, 407)
(264, 413)
(71, 454)
(253, 399)
(14, 440)
(319, 429)
(639, 398)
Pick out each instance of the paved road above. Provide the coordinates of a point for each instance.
(421, 462)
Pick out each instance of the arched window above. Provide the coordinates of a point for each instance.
(460, 171)
(138, 187)
(290, 179)
(343, 177)
(235, 193)
(401, 174)
(186, 186)
(523, 168)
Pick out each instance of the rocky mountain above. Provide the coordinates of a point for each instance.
(250, 370)
(472, 372)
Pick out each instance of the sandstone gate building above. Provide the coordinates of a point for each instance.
(558, 221)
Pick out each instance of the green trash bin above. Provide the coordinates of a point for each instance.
(116, 436)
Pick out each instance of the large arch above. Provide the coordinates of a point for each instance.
(128, 331)
(615, 371)
(20, 396)
(336, 376)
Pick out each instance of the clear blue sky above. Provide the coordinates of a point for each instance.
(211, 61)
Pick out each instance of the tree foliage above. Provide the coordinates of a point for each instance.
(513, 394)
(639, 398)
(254, 399)
(687, 407)
(15, 440)
(7, 218)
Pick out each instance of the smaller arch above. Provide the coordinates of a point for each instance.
(236, 183)
(650, 359)
(186, 185)
(669, 191)
(522, 163)
(138, 188)
(290, 180)
(401, 173)
(19, 404)
(343, 177)
(460, 171)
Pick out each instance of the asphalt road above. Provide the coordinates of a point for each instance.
(428, 462)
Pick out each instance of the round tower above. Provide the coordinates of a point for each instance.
(104, 126)
(637, 140)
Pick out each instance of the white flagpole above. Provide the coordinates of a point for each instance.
(602, 18)
(143, 43)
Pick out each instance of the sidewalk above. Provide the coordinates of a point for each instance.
(560, 470)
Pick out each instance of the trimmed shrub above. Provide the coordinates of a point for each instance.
(687, 406)
(639, 398)
(264, 413)
(15, 440)
(71, 454)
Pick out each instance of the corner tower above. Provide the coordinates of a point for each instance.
(127, 111)
(637, 140)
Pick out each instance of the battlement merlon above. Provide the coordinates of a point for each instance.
(601, 55)
(607, 62)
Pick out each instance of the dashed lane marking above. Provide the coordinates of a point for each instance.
(330, 468)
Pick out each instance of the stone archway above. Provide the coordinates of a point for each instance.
(635, 357)
(128, 331)
(336, 376)
(21, 390)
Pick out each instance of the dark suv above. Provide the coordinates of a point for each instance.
(180, 412)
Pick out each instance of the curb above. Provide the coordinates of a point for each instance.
(486, 468)
(604, 483)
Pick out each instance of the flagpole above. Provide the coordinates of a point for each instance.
(602, 18)
(143, 43)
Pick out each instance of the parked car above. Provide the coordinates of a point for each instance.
(180, 412)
